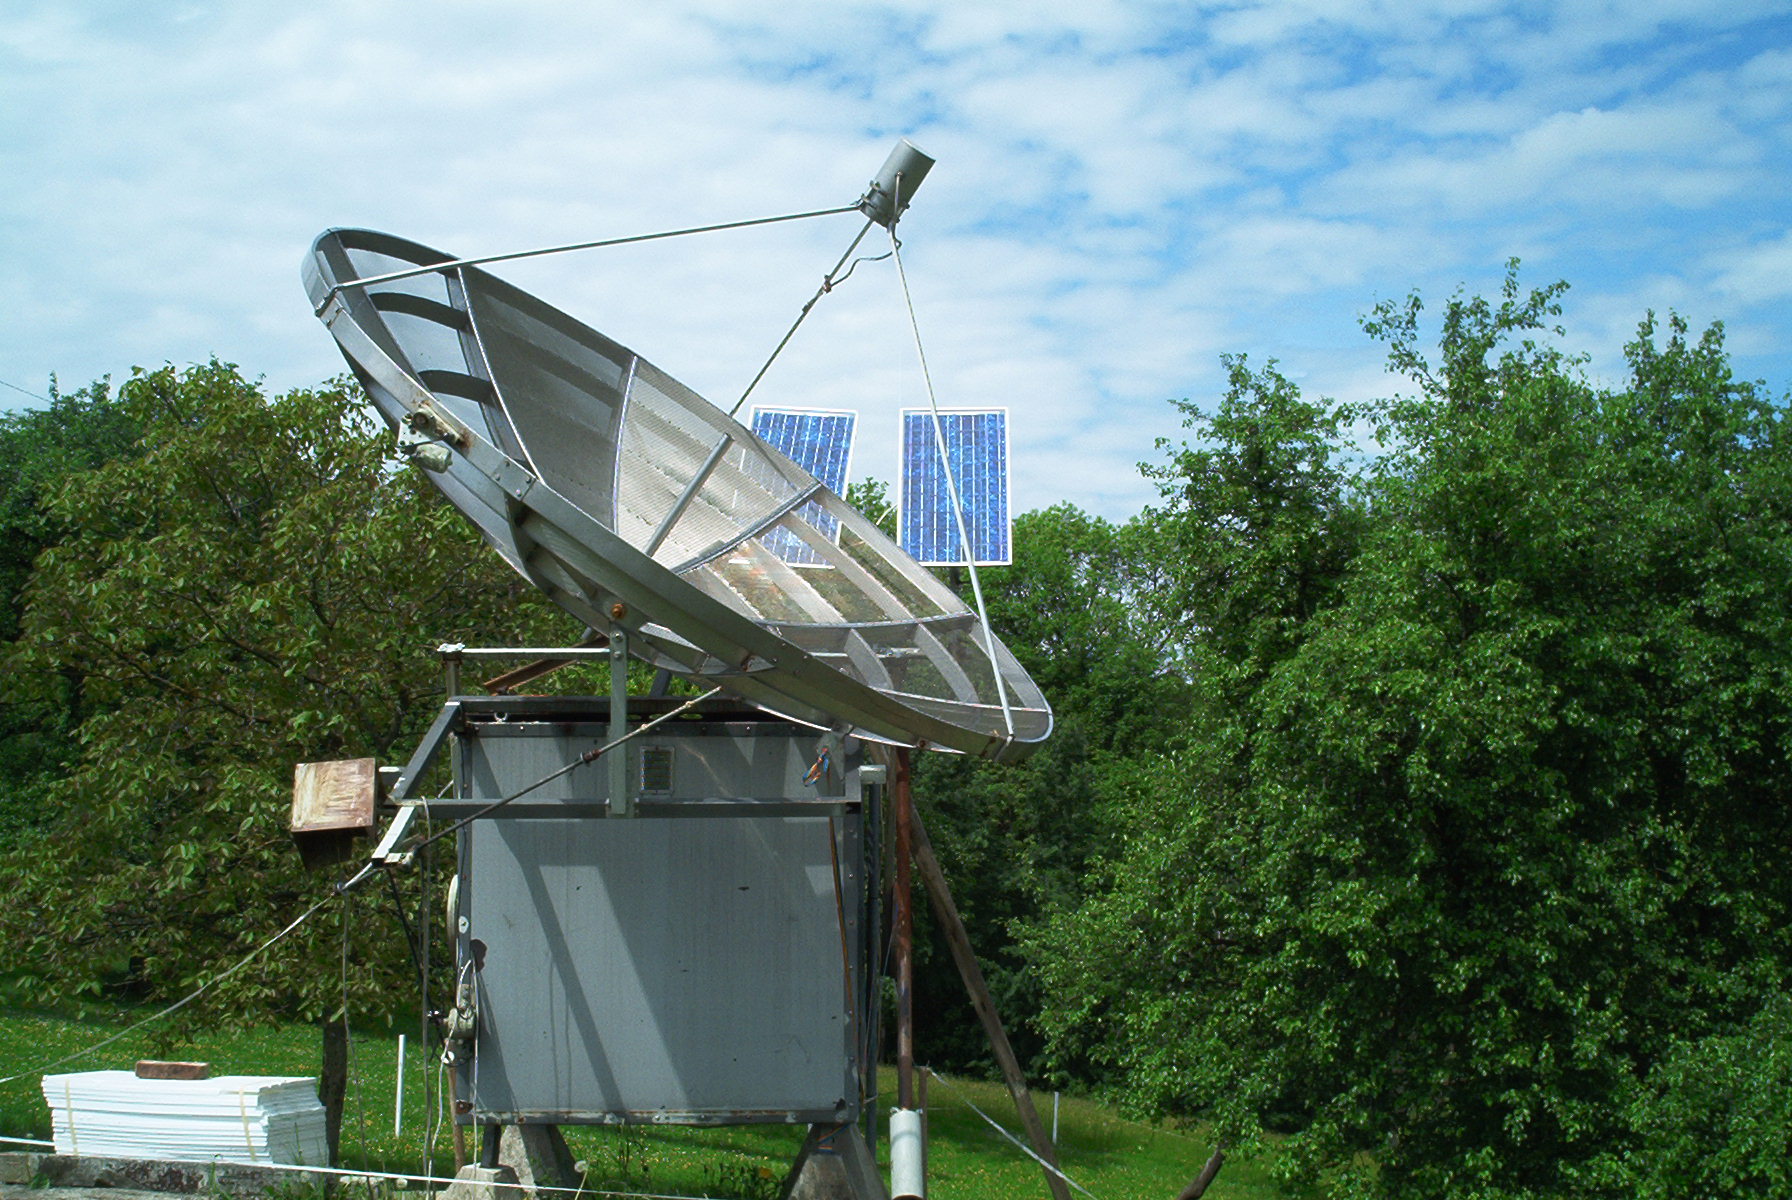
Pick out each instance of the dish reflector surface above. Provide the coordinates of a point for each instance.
(820, 442)
(633, 502)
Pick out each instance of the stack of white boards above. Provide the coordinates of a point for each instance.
(233, 1118)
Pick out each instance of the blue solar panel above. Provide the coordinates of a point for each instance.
(977, 446)
(817, 440)
(820, 442)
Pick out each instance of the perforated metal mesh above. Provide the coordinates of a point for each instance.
(568, 383)
(682, 486)
(820, 442)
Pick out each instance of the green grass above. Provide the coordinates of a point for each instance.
(1114, 1158)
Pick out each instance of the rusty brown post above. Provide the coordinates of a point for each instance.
(958, 940)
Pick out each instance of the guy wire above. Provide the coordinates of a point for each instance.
(452, 264)
(828, 283)
(203, 988)
(939, 437)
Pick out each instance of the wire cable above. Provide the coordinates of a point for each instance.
(590, 756)
(939, 438)
(431, 1140)
(828, 283)
(348, 1048)
(452, 264)
(405, 924)
(423, 1042)
(840, 917)
(1020, 1145)
(337, 891)
(27, 391)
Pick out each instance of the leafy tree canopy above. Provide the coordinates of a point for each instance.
(1014, 838)
(254, 585)
(39, 448)
(1486, 836)
(1425, 805)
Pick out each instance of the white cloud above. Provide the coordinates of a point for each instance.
(1756, 274)
(1125, 188)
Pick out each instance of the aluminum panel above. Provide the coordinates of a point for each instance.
(500, 758)
(652, 970)
(703, 971)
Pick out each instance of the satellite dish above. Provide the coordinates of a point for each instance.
(634, 503)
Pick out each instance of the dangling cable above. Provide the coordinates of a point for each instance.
(828, 283)
(964, 535)
(338, 890)
(423, 1022)
(404, 922)
(348, 1055)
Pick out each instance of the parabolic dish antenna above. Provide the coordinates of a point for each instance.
(636, 504)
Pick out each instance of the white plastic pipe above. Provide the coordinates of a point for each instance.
(907, 1175)
(398, 1098)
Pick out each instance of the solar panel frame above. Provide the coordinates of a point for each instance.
(978, 446)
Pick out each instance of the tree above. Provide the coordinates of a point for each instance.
(43, 446)
(1496, 839)
(1142, 636)
(38, 449)
(872, 498)
(1257, 523)
(1257, 527)
(254, 585)
(1015, 839)
(1714, 1115)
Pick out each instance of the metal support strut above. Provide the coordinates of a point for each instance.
(622, 800)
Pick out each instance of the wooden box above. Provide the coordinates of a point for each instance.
(332, 805)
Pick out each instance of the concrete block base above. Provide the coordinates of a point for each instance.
(834, 1164)
(152, 1175)
(485, 1183)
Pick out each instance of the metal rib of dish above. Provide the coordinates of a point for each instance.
(633, 502)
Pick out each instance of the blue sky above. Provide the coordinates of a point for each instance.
(1125, 190)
